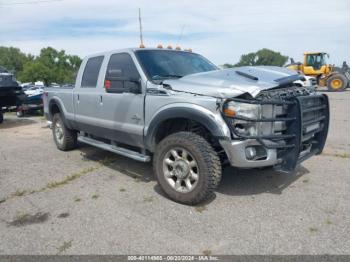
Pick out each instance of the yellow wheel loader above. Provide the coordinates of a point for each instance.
(335, 78)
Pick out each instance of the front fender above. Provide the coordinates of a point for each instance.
(213, 122)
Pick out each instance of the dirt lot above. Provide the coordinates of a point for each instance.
(89, 201)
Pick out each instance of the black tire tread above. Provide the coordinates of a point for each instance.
(210, 158)
(70, 136)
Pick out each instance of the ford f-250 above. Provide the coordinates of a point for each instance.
(189, 116)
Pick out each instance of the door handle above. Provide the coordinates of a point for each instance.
(78, 99)
(136, 117)
(101, 102)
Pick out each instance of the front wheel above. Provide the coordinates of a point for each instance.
(65, 138)
(337, 83)
(1, 117)
(187, 167)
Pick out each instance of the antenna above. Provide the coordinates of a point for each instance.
(141, 36)
(180, 36)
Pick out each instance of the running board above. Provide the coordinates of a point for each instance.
(115, 149)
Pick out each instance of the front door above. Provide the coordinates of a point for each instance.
(122, 111)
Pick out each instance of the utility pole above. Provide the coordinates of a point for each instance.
(141, 36)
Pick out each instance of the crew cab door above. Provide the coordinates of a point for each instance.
(121, 105)
(85, 96)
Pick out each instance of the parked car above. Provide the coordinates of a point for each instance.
(190, 117)
(306, 81)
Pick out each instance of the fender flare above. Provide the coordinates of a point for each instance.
(55, 101)
(195, 114)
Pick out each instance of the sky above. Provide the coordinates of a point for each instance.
(221, 30)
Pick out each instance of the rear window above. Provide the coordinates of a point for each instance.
(91, 71)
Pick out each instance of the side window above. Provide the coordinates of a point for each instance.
(123, 66)
(91, 71)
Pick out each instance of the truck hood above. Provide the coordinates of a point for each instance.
(234, 81)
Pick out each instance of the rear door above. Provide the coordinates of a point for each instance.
(86, 97)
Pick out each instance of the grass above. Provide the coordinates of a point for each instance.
(70, 178)
(200, 209)
(342, 155)
(19, 192)
(66, 245)
(122, 189)
(51, 185)
(55, 184)
(313, 229)
(329, 222)
(95, 196)
(147, 199)
(207, 252)
(77, 199)
(21, 217)
(66, 180)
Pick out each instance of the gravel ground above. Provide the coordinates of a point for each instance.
(89, 201)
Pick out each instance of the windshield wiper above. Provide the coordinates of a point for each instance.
(159, 77)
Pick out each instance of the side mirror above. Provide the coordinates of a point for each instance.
(135, 86)
(123, 85)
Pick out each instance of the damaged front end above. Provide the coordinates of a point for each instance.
(279, 127)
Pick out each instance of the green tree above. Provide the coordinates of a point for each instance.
(262, 57)
(51, 66)
(35, 71)
(13, 59)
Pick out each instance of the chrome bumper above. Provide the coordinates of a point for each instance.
(235, 151)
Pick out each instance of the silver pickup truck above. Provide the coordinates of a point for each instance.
(189, 116)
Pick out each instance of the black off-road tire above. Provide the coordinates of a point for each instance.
(337, 78)
(208, 161)
(69, 138)
(1, 117)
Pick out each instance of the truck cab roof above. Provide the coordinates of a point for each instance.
(132, 50)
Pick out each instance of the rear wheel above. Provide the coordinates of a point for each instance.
(1, 117)
(337, 83)
(65, 139)
(187, 167)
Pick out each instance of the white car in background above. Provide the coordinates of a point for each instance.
(309, 81)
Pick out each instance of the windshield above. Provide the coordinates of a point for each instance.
(316, 60)
(165, 64)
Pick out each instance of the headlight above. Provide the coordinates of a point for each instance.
(238, 110)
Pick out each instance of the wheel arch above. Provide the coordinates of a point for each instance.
(55, 106)
(206, 118)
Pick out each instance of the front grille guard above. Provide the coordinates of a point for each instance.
(290, 145)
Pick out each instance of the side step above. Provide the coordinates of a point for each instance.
(115, 149)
